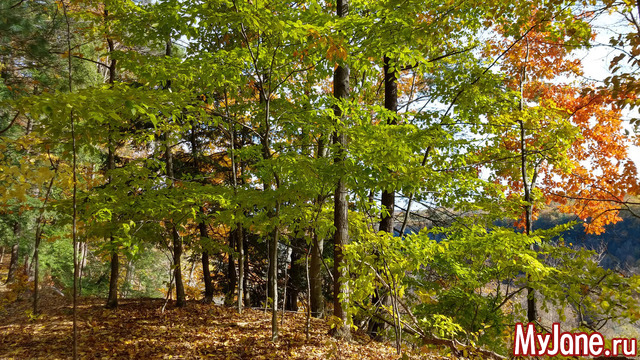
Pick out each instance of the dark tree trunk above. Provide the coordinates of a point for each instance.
(27, 265)
(296, 276)
(532, 314)
(273, 274)
(240, 244)
(202, 226)
(388, 197)
(245, 281)
(112, 301)
(176, 239)
(36, 251)
(177, 271)
(206, 272)
(341, 207)
(317, 248)
(391, 104)
(36, 273)
(315, 277)
(340, 239)
(13, 262)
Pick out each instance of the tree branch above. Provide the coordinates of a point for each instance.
(11, 123)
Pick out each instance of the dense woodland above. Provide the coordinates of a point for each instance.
(427, 173)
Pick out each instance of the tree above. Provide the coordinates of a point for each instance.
(341, 206)
(553, 120)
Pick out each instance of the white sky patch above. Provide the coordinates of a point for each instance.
(597, 59)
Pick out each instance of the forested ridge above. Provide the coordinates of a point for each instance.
(314, 179)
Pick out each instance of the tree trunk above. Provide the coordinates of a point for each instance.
(83, 265)
(308, 317)
(341, 206)
(296, 276)
(273, 274)
(206, 272)
(112, 301)
(176, 239)
(240, 244)
(36, 274)
(128, 279)
(13, 262)
(340, 239)
(269, 278)
(315, 277)
(27, 265)
(204, 236)
(177, 270)
(317, 248)
(245, 281)
(527, 186)
(36, 251)
(391, 104)
(376, 326)
(231, 270)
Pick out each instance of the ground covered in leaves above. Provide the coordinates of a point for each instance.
(139, 329)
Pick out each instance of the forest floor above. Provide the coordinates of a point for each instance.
(139, 329)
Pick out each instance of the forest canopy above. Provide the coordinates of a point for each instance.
(414, 170)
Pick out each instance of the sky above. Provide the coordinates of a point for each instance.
(596, 62)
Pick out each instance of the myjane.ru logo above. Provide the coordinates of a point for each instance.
(528, 342)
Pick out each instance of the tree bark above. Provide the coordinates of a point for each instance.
(27, 266)
(391, 104)
(317, 248)
(83, 264)
(245, 281)
(240, 244)
(296, 276)
(315, 277)
(202, 226)
(177, 271)
(128, 279)
(273, 274)
(232, 277)
(341, 206)
(176, 239)
(36, 251)
(238, 232)
(388, 196)
(206, 272)
(112, 300)
(13, 262)
(532, 314)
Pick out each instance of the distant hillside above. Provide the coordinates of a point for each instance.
(620, 242)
